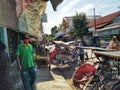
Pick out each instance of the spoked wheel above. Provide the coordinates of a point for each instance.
(64, 62)
(112, 85)
(96, 86)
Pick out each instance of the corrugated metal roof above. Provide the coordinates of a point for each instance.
(103, 21)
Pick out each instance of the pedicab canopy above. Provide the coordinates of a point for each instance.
(85, 69)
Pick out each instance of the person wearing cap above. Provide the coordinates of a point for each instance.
(26, 63)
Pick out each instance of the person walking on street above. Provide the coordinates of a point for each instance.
(26, 64)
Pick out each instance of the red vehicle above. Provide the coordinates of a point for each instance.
(81, 72)
(56, 58)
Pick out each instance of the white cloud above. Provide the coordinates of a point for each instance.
(57, 17)
(69, 6)
(86, 8)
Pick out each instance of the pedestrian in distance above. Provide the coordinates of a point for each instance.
(26, 63)
(81, 50)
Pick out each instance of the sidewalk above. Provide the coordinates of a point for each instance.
(51, 80)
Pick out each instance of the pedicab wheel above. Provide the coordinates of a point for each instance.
(49, 67)
(96, 86)
(112, 85)
(65, 62)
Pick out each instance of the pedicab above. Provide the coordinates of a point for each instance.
(57, 56)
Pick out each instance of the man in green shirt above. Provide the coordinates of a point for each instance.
(25, 63)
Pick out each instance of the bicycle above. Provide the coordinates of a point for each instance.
(105, 77)
(98, 79)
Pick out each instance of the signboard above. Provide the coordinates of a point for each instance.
(44, 17)
(91, 29)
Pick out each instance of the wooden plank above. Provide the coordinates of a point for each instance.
(69, 81)
(114, 54)
(87, 83)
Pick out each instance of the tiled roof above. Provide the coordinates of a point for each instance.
(103, 21)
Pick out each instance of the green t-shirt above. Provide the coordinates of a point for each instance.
(26, 55)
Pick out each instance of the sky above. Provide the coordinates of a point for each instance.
(70, 7)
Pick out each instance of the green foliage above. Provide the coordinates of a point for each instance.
(73, 34)
(60, 28)
(48, 37)
(54, 30)
(80, 25)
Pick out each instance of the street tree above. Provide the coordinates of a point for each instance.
(60, 28)
(80, 25)
(54, 30)
(48, 37)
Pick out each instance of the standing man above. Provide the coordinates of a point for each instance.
(26, 63)
(81, 50)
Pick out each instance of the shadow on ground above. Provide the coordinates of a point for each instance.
(43, 74)
(65, 72)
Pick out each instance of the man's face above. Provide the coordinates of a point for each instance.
(26, 41)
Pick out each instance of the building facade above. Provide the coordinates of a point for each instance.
(105, 28)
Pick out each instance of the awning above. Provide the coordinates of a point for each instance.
(30, 19)
(106, 32)
(59, 34)
(55, 3)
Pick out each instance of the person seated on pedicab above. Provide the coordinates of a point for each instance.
(74, 53)
(82, 73)
(114, 44)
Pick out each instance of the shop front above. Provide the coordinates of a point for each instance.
(106, 34)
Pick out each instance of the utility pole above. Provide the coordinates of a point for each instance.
(119, 7)
(94, 19)
(94, 39)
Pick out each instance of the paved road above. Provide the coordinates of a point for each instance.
(56, 79)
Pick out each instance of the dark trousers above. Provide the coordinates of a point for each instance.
(82, 57)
